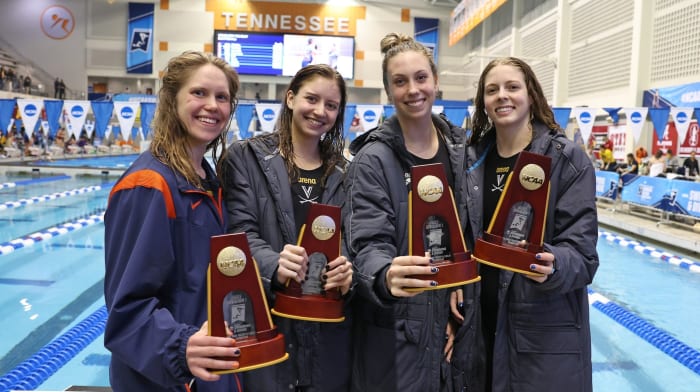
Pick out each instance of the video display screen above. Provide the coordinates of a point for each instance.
(274, 54)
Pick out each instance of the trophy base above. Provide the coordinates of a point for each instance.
(511, 258)
(452, 273)
(308, 308)
(257, 354)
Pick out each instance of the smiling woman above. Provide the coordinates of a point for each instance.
(156, 245)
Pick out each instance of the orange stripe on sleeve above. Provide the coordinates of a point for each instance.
(148, 179)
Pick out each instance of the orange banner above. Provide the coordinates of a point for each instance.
(468, 14)
(292, 18)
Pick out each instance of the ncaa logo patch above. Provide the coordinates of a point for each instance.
(140, 40)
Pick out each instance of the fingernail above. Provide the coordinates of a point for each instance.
(538, 256)
(533, 266)
(324, 277)
(236, 352)
(434, 269)
(433, 283)
(328, 267)
(460, 305)
(432, 260)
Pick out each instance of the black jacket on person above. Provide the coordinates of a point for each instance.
(399, 342)
(260, 203)
(543, 337)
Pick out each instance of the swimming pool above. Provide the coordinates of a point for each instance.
(52, 266)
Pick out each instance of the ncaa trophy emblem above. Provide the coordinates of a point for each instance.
(516, 231)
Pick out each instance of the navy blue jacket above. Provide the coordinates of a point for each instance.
(399, 342)
(259, 198)
(157, 230)
(543, 338)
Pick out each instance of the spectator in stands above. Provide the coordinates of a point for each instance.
(640, 154)
(630, 166)
(27, 84)
(657, 164)
(61, 89)
(672, 162)
(2, 77)
(160, 217)
(608, 162)
(690, 165)
(56, 86)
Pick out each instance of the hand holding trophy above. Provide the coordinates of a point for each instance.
(237, 306)
(434, 227)
(320, 236)
(516, 231)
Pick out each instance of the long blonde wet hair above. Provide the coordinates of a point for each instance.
(170, 136)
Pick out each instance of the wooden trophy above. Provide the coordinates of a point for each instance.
(236, 301)
(434, 227)
(308, 301)
(516, 231)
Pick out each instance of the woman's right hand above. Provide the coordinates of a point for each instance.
(398, 276)
(292, 264)
(205, 353)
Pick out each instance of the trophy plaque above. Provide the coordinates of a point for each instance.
(434, 227)
(320, 236)
(236, 301)
(516, 231)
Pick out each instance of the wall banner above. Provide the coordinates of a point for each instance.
(139, 45)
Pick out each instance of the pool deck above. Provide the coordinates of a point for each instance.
(27, 165)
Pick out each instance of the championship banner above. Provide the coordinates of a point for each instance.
(659, 117)
(126, 114)
(148, 110)
(683, 197)
(681, 117)
(468, 14)
(267, 114)
(635, 120)
(244, 113)
(614, 116)
(606, 184)
(54, 109)
(369, 115)
(45, 127)
(77, 111)
(646, 191)
(425, 30)
(7, 107)
(561, 116)
(30, 110)
(139, 54)
(89, 128)
(103, 113)
(585, 117)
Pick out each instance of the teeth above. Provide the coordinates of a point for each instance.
(315, 122)
(207, 120)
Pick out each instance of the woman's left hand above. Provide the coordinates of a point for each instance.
(338, 274)
(547, 269)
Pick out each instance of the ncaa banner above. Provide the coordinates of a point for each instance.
(456, 114)
(244, 114)
(126, 114)
(76, 111)
(389, 111)
(103, 113)
(471, 109)
(30, 110)
(561, 116)
(681, 117)
(635, 120)
(267, 114)
(585, 117)
(369, 116)
(7, 107)
(139, 52)
(148, 110)
(53, 109)
(659, 117)
(646, 191)
(426, 32)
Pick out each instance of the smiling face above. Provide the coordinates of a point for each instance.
(506, 98)
(204, 105)
(411, 84)
(315, 107)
